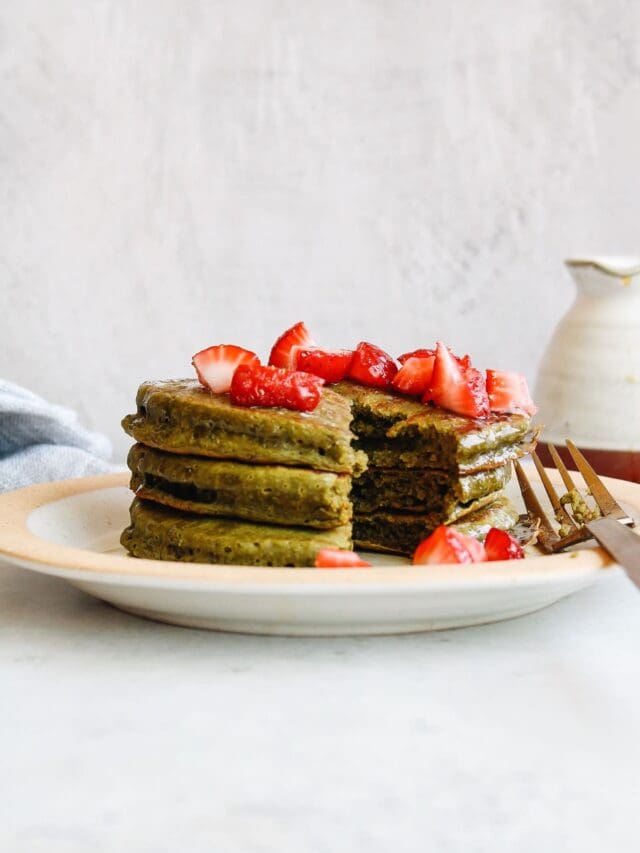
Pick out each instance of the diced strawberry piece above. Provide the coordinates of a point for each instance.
(508, 392)
(372, 366)
(417, 353)
(457, 388)
(476, 549)
(415, 375)
(447, 545)
(463, 361)
(216, 365)
(284, 351)
(273, 387)
(331, 365)
(500, 545)
(334, 558)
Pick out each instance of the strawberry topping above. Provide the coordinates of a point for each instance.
(499, 545)
(285, 349)
(417, 353)
(274, 387)
(464, 361)
(415, 375)
(216, 365)
(456, 387)
(372, 366)
(509, 392)
(334, 558)
(476, 549)
(331, 365)
(447, 545)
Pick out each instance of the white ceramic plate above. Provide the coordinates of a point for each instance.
(71, 529)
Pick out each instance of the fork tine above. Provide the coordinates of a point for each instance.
(601, 495)
(557, 460)
(560, 511)
(549, 535)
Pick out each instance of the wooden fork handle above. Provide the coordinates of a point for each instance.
(620, 543)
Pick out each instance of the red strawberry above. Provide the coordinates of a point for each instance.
(447, 545)
(456, 387)
(463, 361)
(372, 366)
(331, 365)
(283, 352)
(333, 558)
(499, 545)
(216, 365)
(509, 392)
(275, 387)
(417, 353)
(476, 549)
(415, 375)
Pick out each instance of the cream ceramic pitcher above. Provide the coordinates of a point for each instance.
(588, 387)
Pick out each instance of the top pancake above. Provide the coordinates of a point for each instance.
(397, 432)
(180, 416)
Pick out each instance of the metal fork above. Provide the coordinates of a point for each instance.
(610, 527)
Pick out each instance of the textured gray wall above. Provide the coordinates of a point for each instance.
(173, 174)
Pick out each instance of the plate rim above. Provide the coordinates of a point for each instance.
(18, 545)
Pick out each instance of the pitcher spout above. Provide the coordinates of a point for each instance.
(602, 274)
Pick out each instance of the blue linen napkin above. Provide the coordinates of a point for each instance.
(40, 442)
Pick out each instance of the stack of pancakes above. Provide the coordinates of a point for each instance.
(220, 483)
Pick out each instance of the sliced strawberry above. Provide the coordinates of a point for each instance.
(456, 387)
(447, 545)
(500, 545)
(372, 366)
(464, 361)
(476, 549)
(509, 392)
(284, 351)
(334, 558)
(414, 376)
(417, 353)
(273, 387)
(331, 365)
(216, 365)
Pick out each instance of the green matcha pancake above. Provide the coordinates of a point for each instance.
(402, 532)
(501, 514)
(181, 416)
(276, 494)
(401, 454)
(159, 533)
(397, 432)
(423, 489)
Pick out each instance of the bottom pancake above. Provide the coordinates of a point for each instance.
(402, 532)
(159, 533)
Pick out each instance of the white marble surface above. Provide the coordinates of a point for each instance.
(175, 173)
(120, 734)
